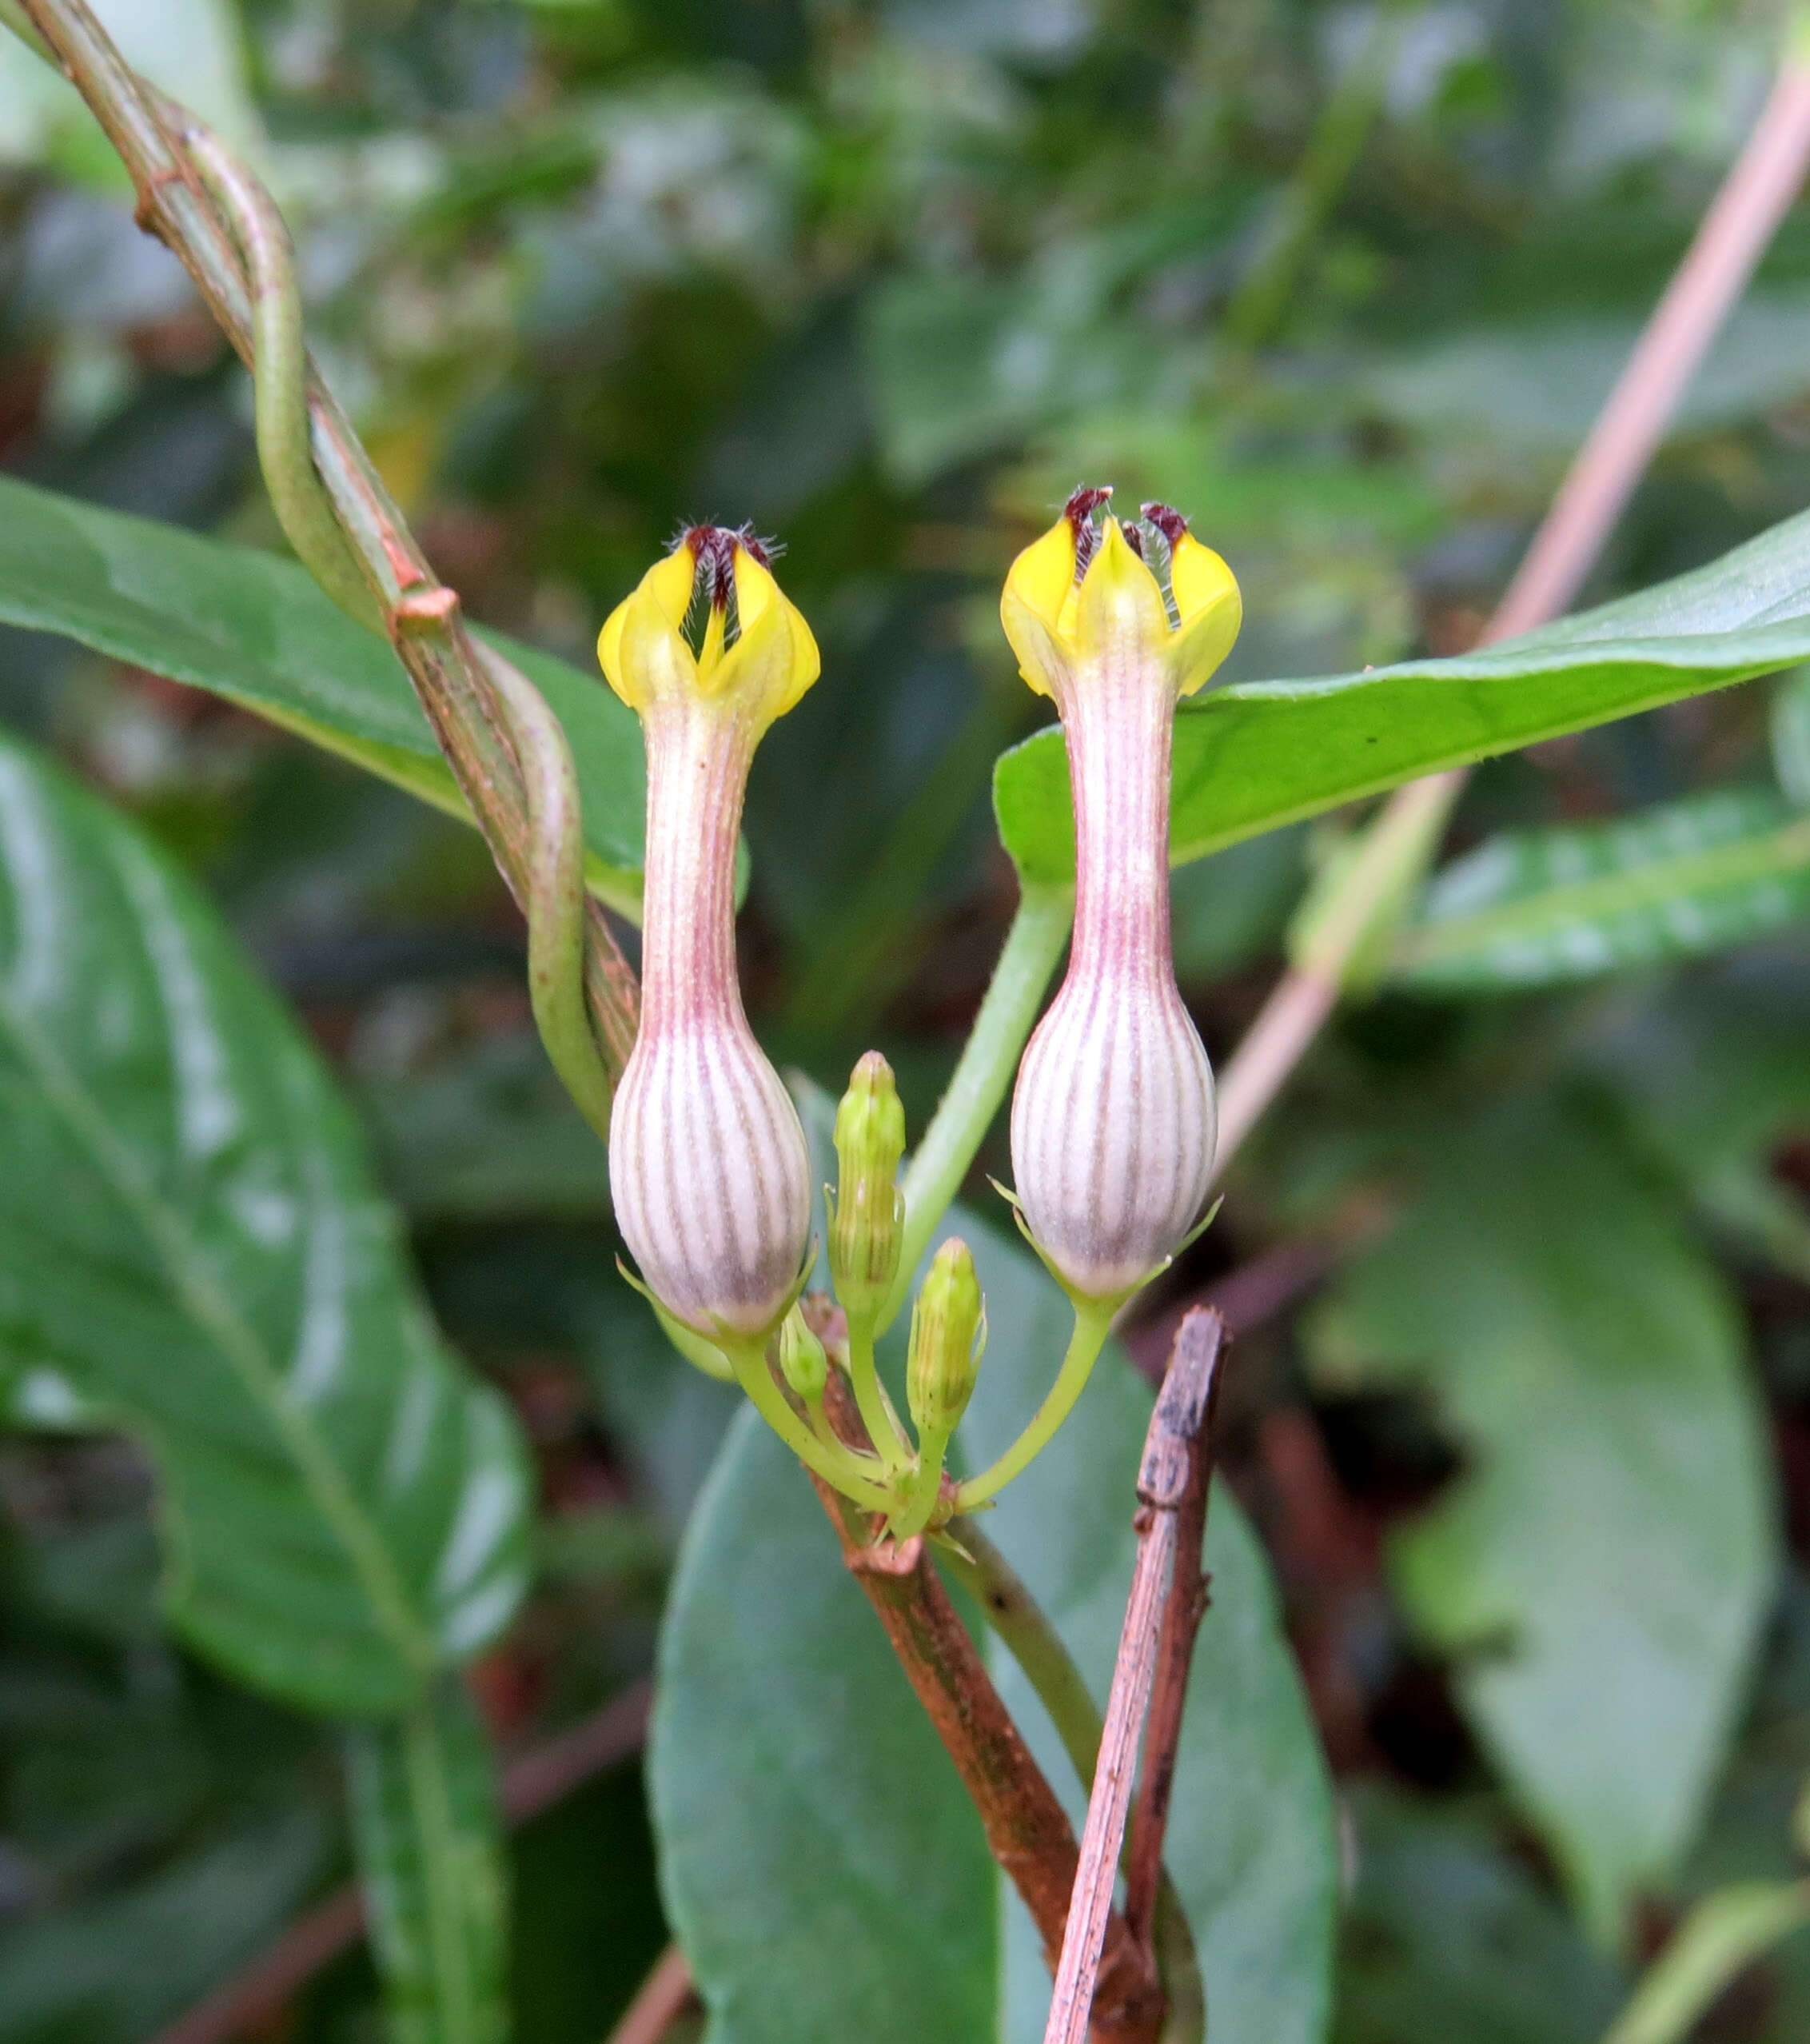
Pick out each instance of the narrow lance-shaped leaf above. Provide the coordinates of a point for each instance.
(1261, 753)
(1534, 907)
(191, 1248)
(433, 1862)
(258, 630)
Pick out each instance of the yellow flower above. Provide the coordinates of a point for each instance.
(708, 1170)
(1083, 595)
(759, 674)
(1113, 1114)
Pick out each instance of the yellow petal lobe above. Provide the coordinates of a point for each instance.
(666, 587)
(1039, 586)
(1119, 607)
(1207, 595)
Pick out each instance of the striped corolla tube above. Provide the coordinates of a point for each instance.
(1113, 1120)
(708, 1169)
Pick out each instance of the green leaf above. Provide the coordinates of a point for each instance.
(260, 632)
(1537, 388)
(822, 1865)
(1262, 753)
(112, 1969)
(190, 1248)
(487, 1134)
(1601, 1569)
(1532, 908)
(1449, 1937)
(1713, 1077)
(431, 1860)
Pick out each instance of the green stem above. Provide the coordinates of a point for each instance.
(877, 1414)
(926, 1485)
(284, 427)
(554, 903)
(1093, 1322)
(1027, 1635)
(1033, 945)
(554, 876)
(421, 616)
(1725, 1933)
(834, 1463)
(1031, 1640)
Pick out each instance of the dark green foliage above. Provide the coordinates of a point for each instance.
(1346, 285)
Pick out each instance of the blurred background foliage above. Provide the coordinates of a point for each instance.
(1531, 1452)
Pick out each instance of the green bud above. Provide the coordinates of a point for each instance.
(948, 1333)
(803, 1362)
(867, 1226)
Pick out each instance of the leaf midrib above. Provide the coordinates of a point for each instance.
(215, 1318)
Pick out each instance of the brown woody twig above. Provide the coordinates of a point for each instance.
(1162, 1616)
(531, 1784)
(420, 615)
(1028, 1832)
(659, 2002)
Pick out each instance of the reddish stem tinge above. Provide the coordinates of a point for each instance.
(1028, 1831)
(1156, 1649)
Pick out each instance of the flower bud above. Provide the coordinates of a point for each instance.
(948, 1334)
(803, 1362)
(867, 1224)
(708, 1169)
(1113, 1118)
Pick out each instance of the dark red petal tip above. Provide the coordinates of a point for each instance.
(1167, 521)
(1080, 508)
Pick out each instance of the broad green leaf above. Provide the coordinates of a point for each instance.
(1714, 1078)
(432, 1861)
(1538, 388)
(822, 1867)
(1712, 1068)
(112, 1969)
(488, 1134)
(1262, 753)
(1533, 907)
(1448, 1937)
(191, 1248)
(1600, 1570)
(259, 631)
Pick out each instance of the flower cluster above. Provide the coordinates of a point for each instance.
(1112, 1121)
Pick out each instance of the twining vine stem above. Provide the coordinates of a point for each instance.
(190, 201)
